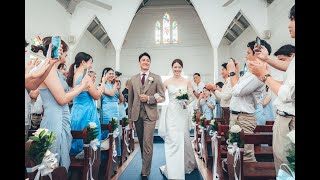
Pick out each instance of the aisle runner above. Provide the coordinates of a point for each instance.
(133, 170)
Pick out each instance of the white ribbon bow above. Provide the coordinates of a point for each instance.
(49, 163)
(94, 146)
(214, 140)
(201, 140)
(114, 135)
(125, 137)
(234, 150)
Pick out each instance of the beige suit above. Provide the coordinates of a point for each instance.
(145, 114)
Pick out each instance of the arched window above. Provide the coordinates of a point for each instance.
(157, 32)
(174, 32)
(169, 35)
(166, 28)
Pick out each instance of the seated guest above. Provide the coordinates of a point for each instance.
(206, 103)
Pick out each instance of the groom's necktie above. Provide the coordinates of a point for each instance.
(143, 79)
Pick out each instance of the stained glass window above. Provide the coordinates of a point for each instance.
(166, 28)
(157, 32)
(174, 32)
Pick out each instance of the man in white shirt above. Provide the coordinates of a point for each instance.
(246, 91)
(198, 85)
(224, 94)
(285, 102)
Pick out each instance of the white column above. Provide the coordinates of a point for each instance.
(215, 65)
(118, 59)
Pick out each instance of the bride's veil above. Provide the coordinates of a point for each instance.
(162, 118)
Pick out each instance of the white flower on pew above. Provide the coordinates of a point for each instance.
(291, 136)
(235, 129)
(212, 122)
(92, 125)
(37, 133)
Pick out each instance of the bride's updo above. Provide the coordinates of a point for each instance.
(177, 61)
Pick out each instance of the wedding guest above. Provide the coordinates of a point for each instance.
(218, 110)
(93, 76)
(123, 106)
(55, 97)
(267, 105)
(63, 70)
(225, 94)
(285, 102)
(198, 85)
(109, 101)
(33, 81)
(206, 103)
(246, 90)
(125, 94)
(83, 110)
(36, 109)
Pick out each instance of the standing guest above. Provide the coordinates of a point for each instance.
(285, 102)
(198, 85)
(83, 110)
(206, 103)
(225, 94)
(125, 94)
(218, 110)
(55, 100)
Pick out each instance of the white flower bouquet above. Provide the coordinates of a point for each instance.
(183, 97)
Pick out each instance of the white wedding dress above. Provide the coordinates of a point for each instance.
(174, 129)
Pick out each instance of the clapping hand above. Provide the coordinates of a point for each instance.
(211, 87)
(258, 68)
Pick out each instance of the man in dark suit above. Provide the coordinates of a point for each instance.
(125, 94)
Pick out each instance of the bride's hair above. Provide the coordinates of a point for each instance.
(177, 61)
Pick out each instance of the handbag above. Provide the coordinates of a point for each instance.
(284, 175)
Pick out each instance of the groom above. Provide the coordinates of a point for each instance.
(142, 106)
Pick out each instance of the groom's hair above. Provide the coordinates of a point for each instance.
(144, 54)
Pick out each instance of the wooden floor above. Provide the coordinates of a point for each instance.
(205, 173)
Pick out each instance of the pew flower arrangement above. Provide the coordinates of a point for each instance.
(42, 142)
(126, 120)
(234, 135)
(194, 117)
(214, 124)
(202, 120)
(92, 132)
(114, 123)
(291, 151)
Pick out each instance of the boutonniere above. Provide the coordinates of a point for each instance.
(150, 79)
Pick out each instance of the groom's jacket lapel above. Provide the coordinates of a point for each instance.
(146, 86)
(138, 84)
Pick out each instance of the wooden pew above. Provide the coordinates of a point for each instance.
(60, 173)
(252, 170)
(260, 151)
(106, 170)
(83, 164)
(196, 132)
(124, 151)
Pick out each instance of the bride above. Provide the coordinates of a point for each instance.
(174, 127)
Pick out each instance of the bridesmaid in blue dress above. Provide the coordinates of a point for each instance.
(84, 109)
(109, 103)
(55, 98)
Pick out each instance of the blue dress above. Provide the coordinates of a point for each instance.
(110, 109)
(260, 114)
(56, 118)
(83, 111)
(268, 111)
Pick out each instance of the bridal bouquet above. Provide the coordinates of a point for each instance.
(183, 97)
(42, 142)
